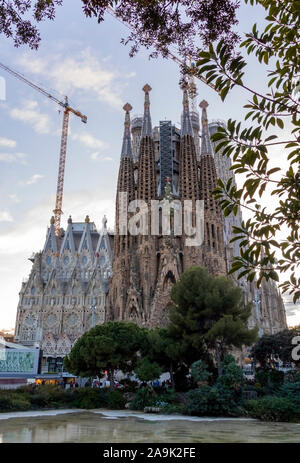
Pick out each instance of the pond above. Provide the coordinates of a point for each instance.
(106, 426)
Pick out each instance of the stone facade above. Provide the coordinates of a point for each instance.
(66, 292)
(155, 262)
(84, 277)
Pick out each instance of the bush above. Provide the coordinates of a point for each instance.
(87, 398)
(211, 401)
(291, 391)
(199, 372)
(169, 396)
(232, 377)
(173, 408)
(46, 396)
(272, 408)
(292, 376)
(11, 401)
(129, 385)
(197, 401)
(115, 400)
(143, 398)
(270, 380)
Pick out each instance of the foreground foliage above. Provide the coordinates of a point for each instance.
(208, 313)
(272, 121)
(111, 346)
(270, 408)
(154, 24)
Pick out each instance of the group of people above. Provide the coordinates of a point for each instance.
(64, 385)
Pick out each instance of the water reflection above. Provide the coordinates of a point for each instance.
(90, 426)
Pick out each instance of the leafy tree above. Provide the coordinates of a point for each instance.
(209, 312)
(200, 372)
(163, 349)
(154, 24)
(111, 346)
(232, 376)
(147, 371)
(251, 145)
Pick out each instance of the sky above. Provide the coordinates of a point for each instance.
(85, 61)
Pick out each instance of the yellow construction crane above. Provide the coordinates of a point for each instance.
(63, 146)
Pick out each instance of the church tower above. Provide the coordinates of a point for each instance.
(213, 246)
(188, 184)
(123, 241)
(147, 191)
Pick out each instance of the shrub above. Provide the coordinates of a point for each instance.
(19, 403)
(211, 401)
(11, 401)
(292, 376)
(115, 400)
(291, 391)
(269, 379)
(169, 396)
(272, 408)
(143, 398)
(129, 385)
(197, 401)
(173, 408)
(232, 377)
(46, 396)
(87, 398)
(199, 371)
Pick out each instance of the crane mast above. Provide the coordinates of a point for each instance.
(63, 145)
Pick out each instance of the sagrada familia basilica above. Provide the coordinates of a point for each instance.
(86, 276)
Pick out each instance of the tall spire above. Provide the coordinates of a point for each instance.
(147, 126)
(186, 124)
(206, 147)
(126, 146)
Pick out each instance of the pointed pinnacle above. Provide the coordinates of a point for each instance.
(147, 88)
(127, 107)
(203, 104)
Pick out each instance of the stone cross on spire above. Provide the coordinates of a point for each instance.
(206, 147)
(186, 124)
(147, 126)
(126, 147)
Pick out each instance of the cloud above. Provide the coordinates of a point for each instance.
(5, 216)
(13, 157)
(83, 72)
(96, 156)
(28, 233)
(14, 198)
(7, 142)
(90, 141)
(30, 113)
(34, 179)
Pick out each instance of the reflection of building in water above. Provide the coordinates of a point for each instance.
(84, 277)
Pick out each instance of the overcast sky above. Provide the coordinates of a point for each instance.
(85, 61)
